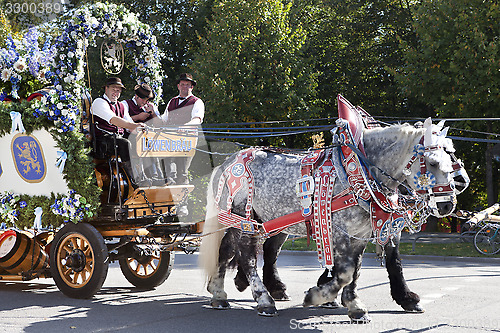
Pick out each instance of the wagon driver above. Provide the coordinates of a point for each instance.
(111, 117)
(187, 111)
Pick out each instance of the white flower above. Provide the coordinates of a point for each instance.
(20, 65)
(60, 105)
(147, 58)
(71, 54)
(141, 67)
(62, 56)
(6, 73)
(125, 30)
(108, 31)
(147, 79)
(59, 87)
(41, 75)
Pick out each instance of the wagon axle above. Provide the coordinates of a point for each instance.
(76, 260)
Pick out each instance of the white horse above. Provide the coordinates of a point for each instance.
(393, 156)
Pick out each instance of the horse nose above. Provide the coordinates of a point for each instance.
(445, 208)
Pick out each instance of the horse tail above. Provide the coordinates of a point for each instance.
(210, 244)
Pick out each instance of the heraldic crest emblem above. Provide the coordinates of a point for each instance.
(28, 158)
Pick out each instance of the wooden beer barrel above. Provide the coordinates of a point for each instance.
(20, 253)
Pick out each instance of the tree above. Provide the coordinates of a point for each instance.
(454, 69)
(251, 66)
(355, 43)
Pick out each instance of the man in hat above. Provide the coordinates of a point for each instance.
(142, 110)
(139, 107)
(187, 111)
(110, 116)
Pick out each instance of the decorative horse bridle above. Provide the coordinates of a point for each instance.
(425, 181)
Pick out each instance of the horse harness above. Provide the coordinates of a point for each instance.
(389, 215)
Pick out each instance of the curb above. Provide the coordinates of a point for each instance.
(476, 260)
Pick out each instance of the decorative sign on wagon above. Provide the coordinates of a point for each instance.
(151, 144)
(112, 56)
(28, 158)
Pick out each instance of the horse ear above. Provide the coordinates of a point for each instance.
(441, 124)
(428, 132)
(428, 122)
(444, 132)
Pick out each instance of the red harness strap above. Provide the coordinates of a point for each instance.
(234, 176)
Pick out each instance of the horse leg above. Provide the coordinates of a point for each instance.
(248, 263)
(347, 264)
(272, 281)
(215, 285)
(326, 277)
(400, 292)
(355, 308)
(240, 280)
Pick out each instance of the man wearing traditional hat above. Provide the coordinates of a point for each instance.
(139, 107)
(187, 111)
(110, 116)
(142, 110)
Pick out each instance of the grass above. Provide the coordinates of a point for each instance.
(434, 249)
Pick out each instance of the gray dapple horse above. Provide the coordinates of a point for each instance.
(274, 175)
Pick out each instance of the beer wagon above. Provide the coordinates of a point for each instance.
(138, 227)
(48, 177)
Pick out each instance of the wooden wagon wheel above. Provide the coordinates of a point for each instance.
(147, 271)
(78, 260)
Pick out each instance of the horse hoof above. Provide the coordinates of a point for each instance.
(331, 305)
(364, 319)
(414, 308)
(268, 311)
(219, 304)
(280, 295)
(310, 296)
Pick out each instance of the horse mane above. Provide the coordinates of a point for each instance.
(398, 133)
(391, 147)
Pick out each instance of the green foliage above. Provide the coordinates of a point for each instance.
(250, 66)
(454, 69)
(459, 249)
(354, 44)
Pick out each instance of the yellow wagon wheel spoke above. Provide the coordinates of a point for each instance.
(76, 260)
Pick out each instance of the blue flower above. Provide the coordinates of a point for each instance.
(23, 204)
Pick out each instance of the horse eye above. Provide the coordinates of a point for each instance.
(433, 164)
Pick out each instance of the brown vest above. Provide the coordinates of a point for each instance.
(119, 110)
(179, 112)
(134, 110)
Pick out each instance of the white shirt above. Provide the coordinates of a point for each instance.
(100, 108)
(198, 110)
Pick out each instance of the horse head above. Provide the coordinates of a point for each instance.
(438, 176)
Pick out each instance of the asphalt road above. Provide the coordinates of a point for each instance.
(458, 297)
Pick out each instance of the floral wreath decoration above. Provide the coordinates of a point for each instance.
(59, 112)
